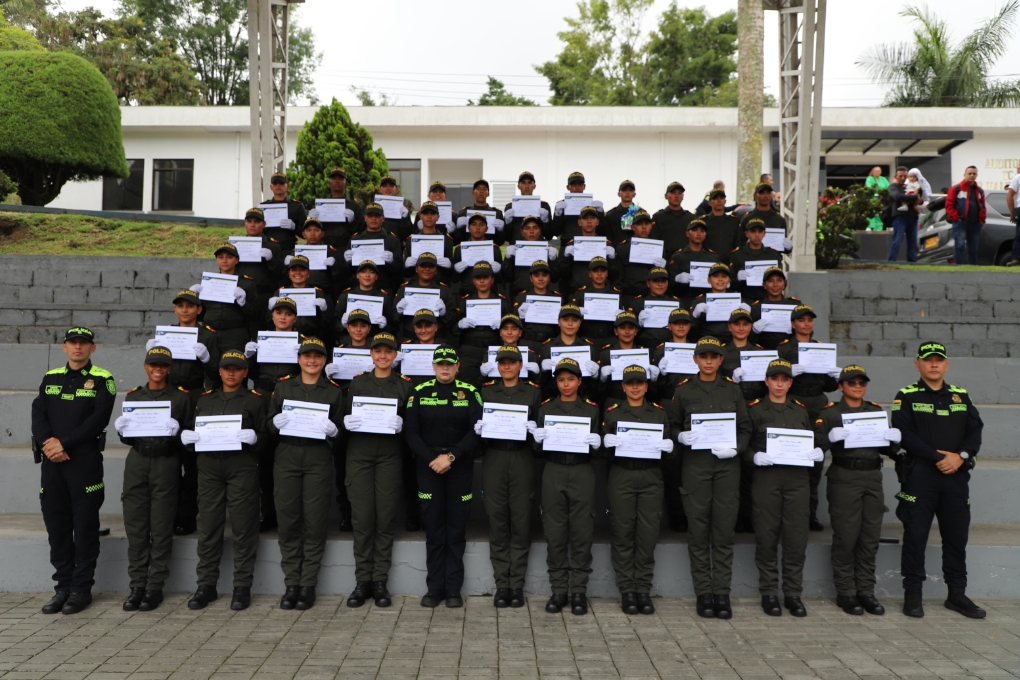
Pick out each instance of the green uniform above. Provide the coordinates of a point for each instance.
(464, 282)
(780, 494)
(856, 502)
(403, 324)
(266, 274)
(234, 324)
(343, 306)
(374, 463)
(702, 327)
(318, 325)
(475, 342)
(589, 384)
(635, 491)
(228, 481)
(738, 261)
(612, 389)
(751, 390)
(680, 263)
(151, 472)
(723, 233)
(508, 484)
(595, 330)
(444, 275)
(769, 339)
(652, 337)
(670, 226)
(568, 503)
(390, 273)
(302, 476)
(535, 333)
(574, 273)
(711, 485)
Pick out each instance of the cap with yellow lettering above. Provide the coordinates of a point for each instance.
(313, 345)
(477, 216)
(480, 182)
(853, 371)
(358, 315)
(159, 355)
(509, 352)
(437, 185)
(298, 261)
(569, 365)
(539, 266)
(429, 207)
(598, 261)
(233, 358)
(763, 188)
(716, 193)
(187, 296)
(481, 268)
(755, 223)
(383, 339)
(426, 259)
(80, 332)
(445, 354)
(337, 172)
(387, 179)
(285, 303)
(627, 184)
(255, 214)
(641, 216)
(570, 310)
(228, 248)
(625, 317)
(675, 186)
(657, 273)
(589, 211)
(368, 264)
(773, 271)
(779, 367)
(425, 316)
(697, 223)
(525, 175)
(575, 178)
(928, 349)
(679, 316)
(708, 345)
(511, 318)
(374, 209)
(279, 178)
(719, 268)
(802, 310)
(634, 372)
(740, 314)
(312, 222)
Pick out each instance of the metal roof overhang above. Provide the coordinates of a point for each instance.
(892, 142)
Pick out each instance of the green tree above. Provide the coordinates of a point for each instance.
(59, 122)
(331, 139)
(366, 98)
(931, 71)
(690, 57)
(840, 214)
(498, 95)
(15, 38)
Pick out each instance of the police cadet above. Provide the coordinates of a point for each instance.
(634, 275)
(941, 431)
(400, 228)
(151, 472)
(441, 416)
(670, 223)
(373, 473)
(854, 490)
(570, 323)
(651, 335)
(780, 493)
(574, 272)
(536, 333)
(598, 283)
(320, 322)
(723, 229)
(476, 337)
(518, 274)
(679, 266)
(424, 276)
(635, 492)
(367, 278)
(331, 278)
(476, 232)
(391, 269)
(428, 214)
(508, 480)
(526, 185)
(437, 193)
(774, 281)
(68, 421)
(763, 209)
(511, 332)
(284, 234)
(232, 321)
(228, 481)
(302, 472)
(480, 194)
(626, 330)
(338, 234)
(711, 476)
(566, 226)
(719, 280)
(618, 220)
(268, 271)
(753, 251)
(568, 493)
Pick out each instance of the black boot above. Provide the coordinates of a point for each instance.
(380, 594)
(202, 597)
(289, 599)
(770, 605)
(133, 600)
(721, 605)
(185, 527)
(56, 602)
(628, 602)
(850, 604)
(362, 591)
(556, 603)
(912, 604)
(644, 604)
(796, 607)
(76, 602)
(152, 599)
(815, 525)
(433, 598)
(517, 597)
(413, 522)
(305, 598)
(705, 606)
(578, 604)
(871, 604)
(959, 602)
(241, 599)
(454, 600)
(501, 599)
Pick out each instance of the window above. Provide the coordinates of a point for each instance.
(997, 202)
(126, 193)
(172, 184)
(407, 172)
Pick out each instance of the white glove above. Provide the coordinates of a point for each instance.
(397, 359)
(462, 223)
(378, 320)
(797, 369)
(240, 297)
(547, 365)
(248, 436)
(540, 434)
(523, 309)
(443, 262)
(321, 304)
(658, 262)
(611, 441)
(250, 349)
(552, 253)
(653, 372)
(460, 267)
(343, 319)
(605, 373)
(478, 428)
(568, 251)
(817, 455)
(762, 459)
(610, 252)
(272, 302)
(404, 212)
(280, 420)
(348, 255)
(664, 364)
(559, 208)
(744, 306)
(759, 325)
(387, 256)
(440, 308)
(683, 277)
(121, 424)
(642, 317)
(508, 215)
(699, 309)
(149, 344)
(189, 437)
(396, 423)
(266, 253)
(329, 261)
(410, 262)
(332, 371)
(498, 224)
(532, 367)
(402, 304)
(287, 259)
(466, 322)
(489, 369)
(543, 214)
(287, 224)
(687, 438)
(202, 353)
(531, 425)
(722, 453)
(172, 427)
(592, 440)
(787, 245)
(893, 435)
(742, 275)
(834, 372)
(313, 213)
(738, 375)
(665, 446)
(494, 325)
(353, 422)
(197, 288)
(583, 310)
(496, 267)
(510, 250)
(592, 367)
(330, 428)
(838, 434)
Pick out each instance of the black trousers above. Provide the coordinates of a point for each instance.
(267, 485)
(340, 476)
(187, 485)
(929, 494)
(445, 507)
(672, 478)
(410, 475)
(71, 494)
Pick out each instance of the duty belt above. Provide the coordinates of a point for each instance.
(635, 463)
(156, 450)
(221, 326)
(857, 463)
(564, 458)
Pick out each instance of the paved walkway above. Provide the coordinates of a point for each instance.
(407, 641)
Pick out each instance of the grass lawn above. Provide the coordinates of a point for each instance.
(42, 234)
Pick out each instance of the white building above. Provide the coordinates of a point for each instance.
(197, 160)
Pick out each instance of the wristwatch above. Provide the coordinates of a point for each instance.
(451, 457)
(964, 455)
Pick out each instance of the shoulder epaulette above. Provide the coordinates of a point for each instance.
(404, 377)
(256, 393)
(798, 403)
(245, 276)
(710, 250)
(444, 284)
(333, 382)
(317, 288)
(384, 291)
(617, 405)
(730, 380)
(735, 250)
(661, 344)
(491, 382)
(502, 296)
(683, 382)
(465, 296)
(345, 290)
(756, 302)
(131, 391)
(656, 406)
(875, 403)
(637, 297)
(607, 346)
(211, 330)
(103, 373)
(546, 401)
(958, 390)
(528, 382)
(829, 405)
(182, 389)
(405, 282)
(756, 401)
(283, 378)
(785, 341)
(795, 298)
(273, 240)
(591, 403)
(358, 375)
(207, 392)
(546, 342)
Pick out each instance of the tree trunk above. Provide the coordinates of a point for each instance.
(751, 94)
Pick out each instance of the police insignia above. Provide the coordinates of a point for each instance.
(460, 394)
(956, 399)
(90, 383)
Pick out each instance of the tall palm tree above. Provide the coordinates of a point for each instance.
(933, 72)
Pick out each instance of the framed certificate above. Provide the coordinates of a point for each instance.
(249, 248)
(417, 359)
(776, 317)
(658, 312)
(639, 440)
(588, 247)
(331, 209)
(699, 274)
(543, 309)
(714, 430)
(579, 353)
(277, 347)
(505, 421)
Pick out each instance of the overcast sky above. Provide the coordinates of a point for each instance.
(423, 54)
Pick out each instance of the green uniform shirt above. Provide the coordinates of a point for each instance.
(249, 404)
(805, 384)
(223, 316)
(724, 233)
(524, 393)
(394, 386)
(832, 416)
(180, 407)
(764, 413)
(191, 373)
(266, 274)
(670, 226)
(322, 391)
(580, 408)
(721, 395)
(731, 362)
(646, 413)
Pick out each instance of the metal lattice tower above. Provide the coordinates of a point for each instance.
(801, 59)
(267, 77)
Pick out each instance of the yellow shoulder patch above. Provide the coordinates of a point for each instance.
(182, 389)
(829, 405)
(256, 393)
(134, 390)
(546, 401)
(799, 404)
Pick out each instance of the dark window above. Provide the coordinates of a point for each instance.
(407, 172)
(125, 193)
(997, 202)
(172, 184)
(460, 196)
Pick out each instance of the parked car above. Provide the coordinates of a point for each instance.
(935, 238)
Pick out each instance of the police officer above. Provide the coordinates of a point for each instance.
(228, 480)
(526, 185)
(151, 472)
(441, 417)
(338, 234)
(424, 276)
(68, 418)
(670, 223)
(475, 337)
(267, 272)
(724, 233)
(302, 472)
(854, 490)
(564, 225)
(780, 493)
(679, 266)
(635, 492)
(233, 321)
(774, 287)
(391, 269)
(618, 219)
(284, 234)
(508, 480)
(941, 432)
(480, 194)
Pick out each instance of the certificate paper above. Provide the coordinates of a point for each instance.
(774, 239)
(304, 297)
(373, 411)
(529, 251)
(681, 357)
(485, 312)
(474, 252)
(445, 213)
(579, 353)
(658, 313)
(306, 419)
(274, 213)
(572, 203)
(218, 287)
(316, 256)
(352, 361)
(620, 359)
(277, 347)
(756, 271)
(699, 274)
(865, 430)
(427, 243)
(505, 421)
(755, 362)
(417, 359)
(180, 341)
(817, 357)
(249, 248)
(720, 305)
(372, 304)
(639, 440)
(645, 250)
(588, 247)
(776, 317)
(218, 433)
(543, 309)
(420, 298)
(566, 433)
(148, 418)
(524, 357)
(331, 209)
(601, 306)
(367, 249)
(392, 206)
(789, 447)
(526, 206)
(714, 430)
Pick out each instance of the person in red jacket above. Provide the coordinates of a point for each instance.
(965, 208)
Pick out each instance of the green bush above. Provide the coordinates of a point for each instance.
(840, 214)
(59, 122)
